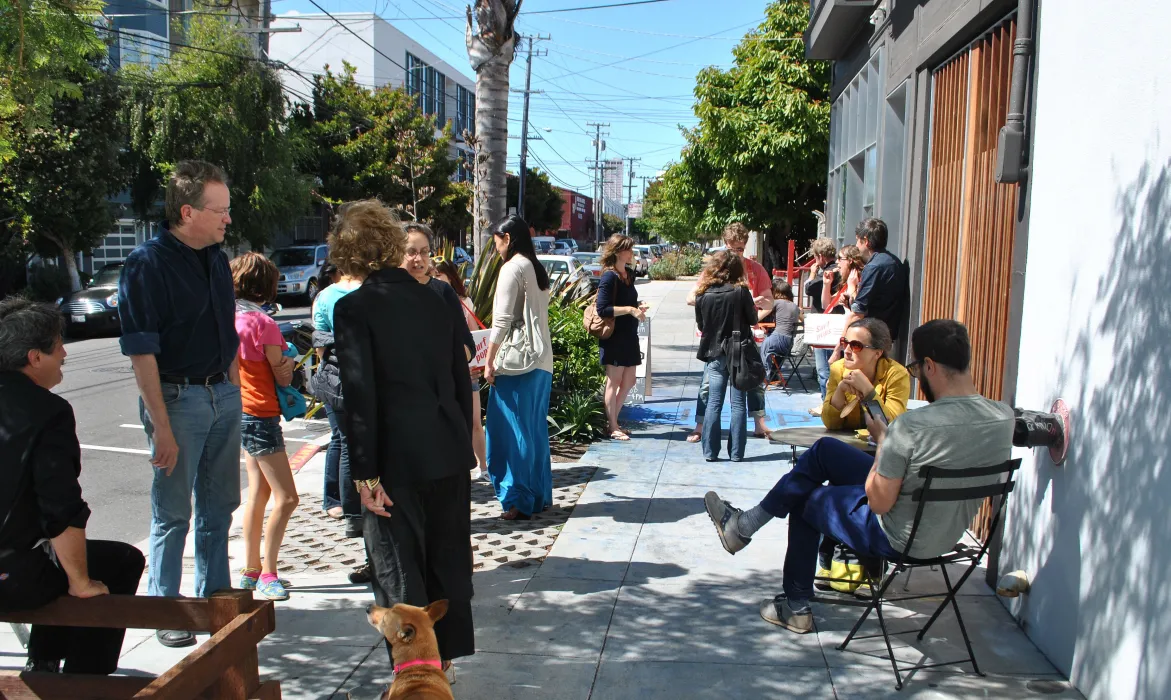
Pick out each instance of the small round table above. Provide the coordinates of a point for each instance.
(805, 436)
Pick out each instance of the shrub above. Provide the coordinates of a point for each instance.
(48, 283)
(675, 265)
(577, 417)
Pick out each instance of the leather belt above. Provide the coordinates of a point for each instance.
(217, 378)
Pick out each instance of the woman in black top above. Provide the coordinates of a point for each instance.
(722, 299)
(408, 423)
(618, 299)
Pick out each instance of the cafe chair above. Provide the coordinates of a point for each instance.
(934, 490)
(778, 362)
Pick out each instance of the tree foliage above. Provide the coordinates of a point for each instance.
(366, 143)
(759, 152)
(47, 52)
(666, 212)
(612, 224)
(225, 108)
(543, 201)
(55, 191)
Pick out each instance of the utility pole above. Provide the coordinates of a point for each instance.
(524, 127)
(629, 191)
(599, 146)
(645, 179)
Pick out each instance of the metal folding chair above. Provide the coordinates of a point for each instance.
(961, 554)
(778, 369)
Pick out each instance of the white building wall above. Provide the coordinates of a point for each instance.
(1095, 534)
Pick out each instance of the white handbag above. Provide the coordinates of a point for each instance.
(522, 349)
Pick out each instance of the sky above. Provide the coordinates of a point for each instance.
(646, 96)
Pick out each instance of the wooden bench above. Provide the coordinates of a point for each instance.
(224, 667)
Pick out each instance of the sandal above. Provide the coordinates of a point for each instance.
(694, 437)
(619, 435)
(515, 514)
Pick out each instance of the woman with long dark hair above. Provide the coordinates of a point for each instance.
(618, 299)
(722, 299)
(520, 370)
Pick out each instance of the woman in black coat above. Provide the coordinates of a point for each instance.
(404, 365)
(620, 354)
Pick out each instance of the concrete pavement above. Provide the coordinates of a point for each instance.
(636, 598)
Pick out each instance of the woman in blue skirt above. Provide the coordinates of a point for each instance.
(520, 370)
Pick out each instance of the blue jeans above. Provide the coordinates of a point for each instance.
(339, 489)
(206, 423)
(821, 359)
(718, 382)
(838, 510)
(775, 348)
(755, 399)
(261, 437)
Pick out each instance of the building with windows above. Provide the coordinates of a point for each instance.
(399, 61)
(1050, 240)
(612, 197)
(577, 216)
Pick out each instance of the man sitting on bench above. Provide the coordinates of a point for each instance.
(865, 502)
(43, 550)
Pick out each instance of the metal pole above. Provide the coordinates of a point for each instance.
(524, 136)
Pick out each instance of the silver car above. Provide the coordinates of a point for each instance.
(300, 268)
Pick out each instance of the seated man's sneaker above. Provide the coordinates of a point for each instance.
(724, 517)
(43, 666)
(795, 618)
(175, 638)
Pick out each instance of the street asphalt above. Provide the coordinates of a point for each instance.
(115, 471)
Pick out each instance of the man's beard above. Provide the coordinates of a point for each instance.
(925, 387)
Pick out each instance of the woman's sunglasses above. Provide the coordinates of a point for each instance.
(855, 345)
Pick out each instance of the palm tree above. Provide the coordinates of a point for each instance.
(491, 44)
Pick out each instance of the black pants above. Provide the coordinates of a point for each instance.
(34, 580)
(423, 553)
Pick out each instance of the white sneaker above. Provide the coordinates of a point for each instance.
(477, 473)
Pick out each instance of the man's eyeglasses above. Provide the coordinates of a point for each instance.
(855, 345)
(222, 212)
(913, 368)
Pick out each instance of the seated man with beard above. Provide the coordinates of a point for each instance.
(865, 502)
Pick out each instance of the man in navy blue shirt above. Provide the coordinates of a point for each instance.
(882, 292)
(177, 307)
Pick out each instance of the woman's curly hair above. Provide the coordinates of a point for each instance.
(366, 236)
(724, 267)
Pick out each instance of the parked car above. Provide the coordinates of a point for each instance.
(561, 248)
(95, 308)
(300, 268)
(569, 242)
(592, 264)
(642, 262)
(649, 252)
(564, 267)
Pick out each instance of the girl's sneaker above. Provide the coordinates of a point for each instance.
(248, 579)
(273, 590)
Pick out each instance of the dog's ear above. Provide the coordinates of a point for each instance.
(406, 632)
(436, 610)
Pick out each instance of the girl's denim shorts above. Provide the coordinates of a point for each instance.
(261, 437)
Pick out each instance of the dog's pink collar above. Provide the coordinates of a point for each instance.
(419, 662)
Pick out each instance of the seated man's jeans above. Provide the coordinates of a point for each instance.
(838, 510)
(755, 399)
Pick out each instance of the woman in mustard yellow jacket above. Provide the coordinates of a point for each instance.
(864, 372)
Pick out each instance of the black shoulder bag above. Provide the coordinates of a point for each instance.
(744, 363)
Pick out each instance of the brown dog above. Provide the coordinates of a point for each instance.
(418, 670)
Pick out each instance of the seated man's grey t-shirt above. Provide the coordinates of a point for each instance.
(952, 433)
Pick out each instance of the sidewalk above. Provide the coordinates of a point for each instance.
(636, 598)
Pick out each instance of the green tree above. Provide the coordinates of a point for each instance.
(55, 191)
(640, 228)
(669, 216)
(452, 213)
(226, 108)
(377, 143)
(543, 201)
(612, 224)
(759, 152)
(47, 49)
